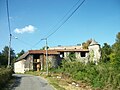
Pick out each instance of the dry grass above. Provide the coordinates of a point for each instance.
(66, 83)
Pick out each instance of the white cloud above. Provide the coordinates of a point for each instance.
(26, 29)
(10, 17)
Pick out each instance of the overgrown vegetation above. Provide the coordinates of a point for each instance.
(5, 76)
(5, 73)
(105, 75)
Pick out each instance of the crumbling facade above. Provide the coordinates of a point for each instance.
(36, 59)
(94, 52)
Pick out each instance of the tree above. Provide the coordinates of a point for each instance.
(5, 52)
(21, 53)
(44, 48)
(4, 55)
(3, 60)
(116, 45)
(106, 51)
(86, 44)
(116, 49)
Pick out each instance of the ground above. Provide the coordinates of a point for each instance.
(29, 82)
(40, 81)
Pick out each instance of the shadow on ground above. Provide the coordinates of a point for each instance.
(15, 82)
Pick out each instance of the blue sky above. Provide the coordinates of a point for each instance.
(32, 20)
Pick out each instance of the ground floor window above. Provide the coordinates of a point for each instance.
(82, 54)
(61, 54)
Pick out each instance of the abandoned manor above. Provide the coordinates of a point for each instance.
(36, 59)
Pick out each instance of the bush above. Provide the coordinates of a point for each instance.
(104, 75)
(5, 75)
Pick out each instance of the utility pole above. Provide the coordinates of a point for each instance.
(10, 35)
(46, 54)
(9, 53)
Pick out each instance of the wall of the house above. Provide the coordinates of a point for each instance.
(54, 60)
(41, 62)
(95, 50)
(80, 56)
(19, 66)
(32, 62)
(66, 54)
(29, 63)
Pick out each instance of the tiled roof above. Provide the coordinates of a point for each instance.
(22, 56)
(43, 52)
(37, 52)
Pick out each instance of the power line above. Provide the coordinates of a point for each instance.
(8, 18)
(23, 42)
(63, 19)
(36, 43)
(10, 34)
(64, 16)
(66, 19)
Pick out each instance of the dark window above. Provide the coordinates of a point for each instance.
(72, 53)
(82, 54)
(61, 54)
(36, 56)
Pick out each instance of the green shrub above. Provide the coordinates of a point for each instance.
(104, 75)
(5, 75)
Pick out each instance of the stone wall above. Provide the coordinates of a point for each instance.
(78, 56)
(29, 63)
(95, 53)
(54, 61)
(42, 61)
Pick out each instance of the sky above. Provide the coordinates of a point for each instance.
(32, 20)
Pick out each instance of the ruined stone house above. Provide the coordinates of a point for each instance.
(36, 59)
